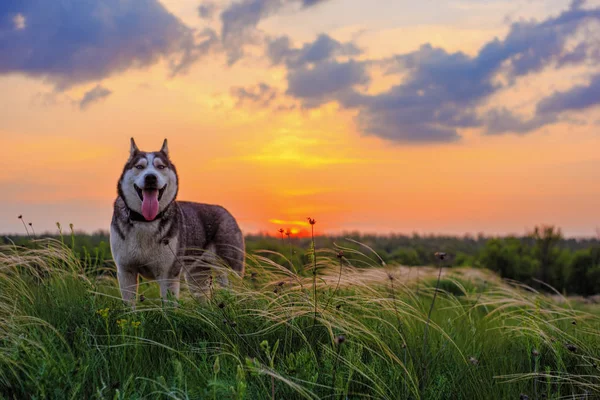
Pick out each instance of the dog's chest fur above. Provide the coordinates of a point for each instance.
(140, 251)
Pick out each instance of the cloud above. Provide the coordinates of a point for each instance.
(279, 50)
(94, 95)
(240, 21)
(260, 94)
(502, 120)
(327, 80)
(207, 10)
(70, 42)
(442, 92)
(577, 98)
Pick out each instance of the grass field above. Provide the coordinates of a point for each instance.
(356, 329)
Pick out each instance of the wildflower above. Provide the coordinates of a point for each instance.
(122, 323)
(71, 226)
(338, 306)
(103, 312)
(31, 224)
(571, 347)
(225, 321)
(340, 339)
(233, 324)
(311, 221)
(166, 242)
(473, 360)
(281, 283)
(574, 322)
(535, 353)
(390, 277)
(441, 255)
(20, 216)
(142, 298)
(135, 324)
(221, 305)
(288, 232)
(340, 254)
(523, 396)
(281, 230)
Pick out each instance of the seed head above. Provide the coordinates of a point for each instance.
(338, 306)
(440, 255)
(523, 396)
(340, 254)
(71, 226)
(20, 216)
(288, 232)
(31, 224)
(473, 360)
(281, 230)
(535, 353)
(233, 324)
(142, 298)
(221, 305)
(166, 242)
(340, 339)
(311, 221)
(571, 347)
(574, 322)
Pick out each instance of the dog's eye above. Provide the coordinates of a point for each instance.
(139, 166)
(161, 167)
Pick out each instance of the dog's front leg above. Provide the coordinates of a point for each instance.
(128, 284)
(169, 285)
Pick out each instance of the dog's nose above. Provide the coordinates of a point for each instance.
(150, 180)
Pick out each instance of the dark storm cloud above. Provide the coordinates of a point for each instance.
(69, 42)
(96, 94)
(441, 91)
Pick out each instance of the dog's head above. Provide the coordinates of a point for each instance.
(149, 182)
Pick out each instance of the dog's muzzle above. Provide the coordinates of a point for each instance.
(140, 191)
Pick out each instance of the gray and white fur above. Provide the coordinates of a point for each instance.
(159, 243)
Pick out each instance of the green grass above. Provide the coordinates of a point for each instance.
(64, 334)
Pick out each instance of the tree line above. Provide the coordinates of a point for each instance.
(569, 265)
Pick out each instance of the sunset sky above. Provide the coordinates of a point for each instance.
(459, 116)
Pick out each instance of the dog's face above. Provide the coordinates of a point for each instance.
(149, 181)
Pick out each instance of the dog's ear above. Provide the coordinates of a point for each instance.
(133, 150)
(165, 148)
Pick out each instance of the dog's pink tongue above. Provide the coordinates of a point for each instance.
(150, 204)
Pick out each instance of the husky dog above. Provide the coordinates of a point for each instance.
(157, 237)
